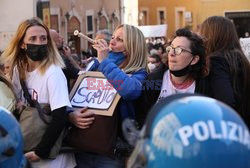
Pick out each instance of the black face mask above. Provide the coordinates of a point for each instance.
(36, 52)
(93, 52)
(184, 71)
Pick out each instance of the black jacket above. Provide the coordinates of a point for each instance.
(152, 89)
(221, 85)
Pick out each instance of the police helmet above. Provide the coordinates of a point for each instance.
(11, 142)
(192, 131)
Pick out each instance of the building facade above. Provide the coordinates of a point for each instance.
(191, 14)
(12, 14)
(87, 16)
(66, 16)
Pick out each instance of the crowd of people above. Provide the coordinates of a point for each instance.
(41, 70)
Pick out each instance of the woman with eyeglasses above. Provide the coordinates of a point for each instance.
(184, 73)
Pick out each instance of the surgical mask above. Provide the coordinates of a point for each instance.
(116, 57)
(151, 66)
(184, 71)
(36, 52)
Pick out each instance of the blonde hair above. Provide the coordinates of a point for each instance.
(16, 56)
(135, 46)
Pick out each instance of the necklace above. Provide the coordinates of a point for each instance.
(185, 84)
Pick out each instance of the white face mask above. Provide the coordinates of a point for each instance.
(151, 66)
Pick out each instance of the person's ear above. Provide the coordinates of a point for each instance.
(22, 46)
(195, 59)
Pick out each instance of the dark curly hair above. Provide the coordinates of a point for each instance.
(197, 48)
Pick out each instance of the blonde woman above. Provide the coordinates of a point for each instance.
(125, 65)
(35, 60)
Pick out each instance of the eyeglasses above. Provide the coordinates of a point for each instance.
(177, 50)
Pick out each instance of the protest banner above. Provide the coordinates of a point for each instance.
(245, 45)
(94, 91)
(154, 30)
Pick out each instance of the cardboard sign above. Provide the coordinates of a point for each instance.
(245, 45)
(93, 90)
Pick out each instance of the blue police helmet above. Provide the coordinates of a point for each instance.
(192, 131)
(11, 142)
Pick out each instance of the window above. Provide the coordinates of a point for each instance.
(241, 21)
(89, 23)
(54, 22)
(161, 16)
(143, 16)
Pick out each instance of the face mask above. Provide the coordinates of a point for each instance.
(116, 57)
(184, 71)
(151, 66)
(60, 48)
(93, 52)
(36, 52)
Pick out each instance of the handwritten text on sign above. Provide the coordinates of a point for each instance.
(245, 45)
(98, 98)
